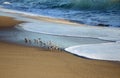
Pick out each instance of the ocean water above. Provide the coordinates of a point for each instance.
(91, 12)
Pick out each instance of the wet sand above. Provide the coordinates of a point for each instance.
(8, 22)
(17, 61)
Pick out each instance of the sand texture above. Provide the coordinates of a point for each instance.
(27, 62)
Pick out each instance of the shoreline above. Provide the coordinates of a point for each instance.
(55, 19)
(39, 17)
(17, 61)
(15, 22)
(49, 18)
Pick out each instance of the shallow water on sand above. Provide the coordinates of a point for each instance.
(18, 36)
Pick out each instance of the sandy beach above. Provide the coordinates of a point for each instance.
(17, 61)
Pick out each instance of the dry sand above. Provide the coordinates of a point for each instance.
(18, 61)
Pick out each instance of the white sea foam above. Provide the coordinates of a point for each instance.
(112, 34)
(104, 51)
(7, 3)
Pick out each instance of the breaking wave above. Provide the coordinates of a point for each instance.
(68, 4)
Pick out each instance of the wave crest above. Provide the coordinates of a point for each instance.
(69, 4)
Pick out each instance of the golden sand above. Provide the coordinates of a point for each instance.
(18, 61)
(28, 62)
(8, 22)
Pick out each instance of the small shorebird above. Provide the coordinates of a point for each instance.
(26, 40)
